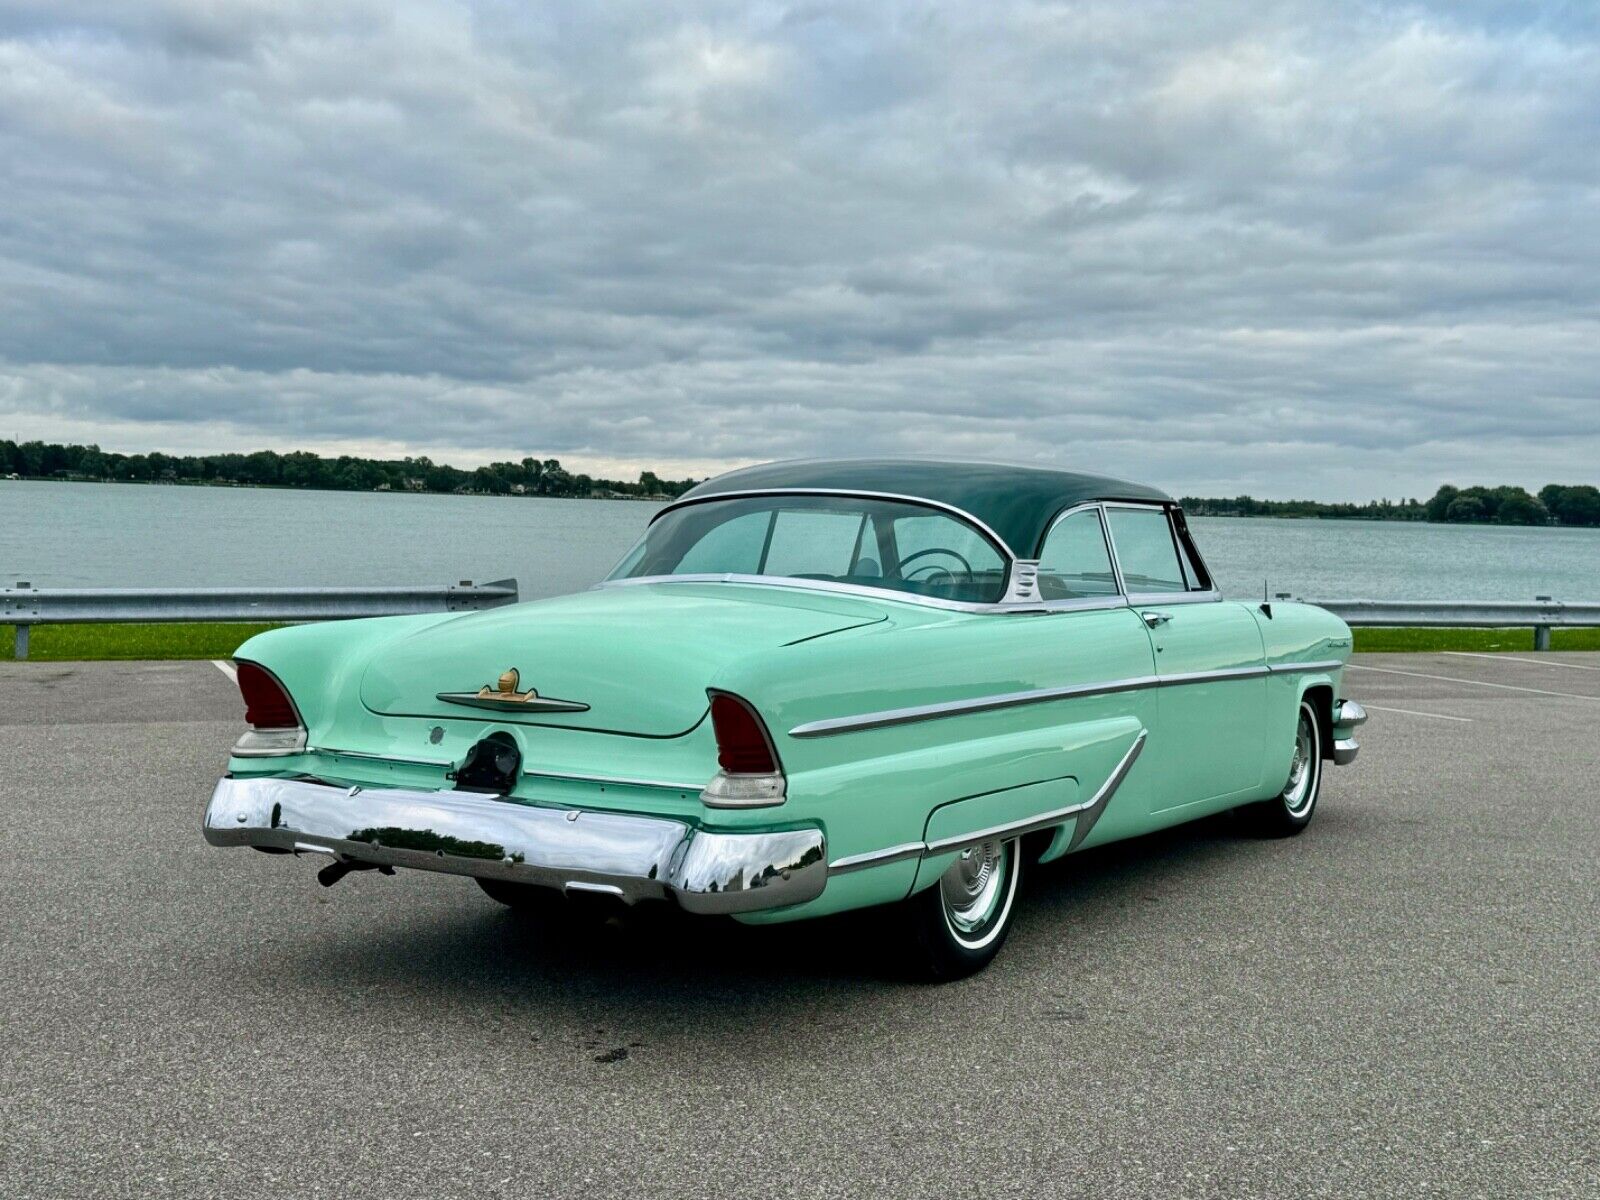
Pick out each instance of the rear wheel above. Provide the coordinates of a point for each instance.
(959, 924)
(1290, 811)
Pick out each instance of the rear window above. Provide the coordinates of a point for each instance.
(889, 544)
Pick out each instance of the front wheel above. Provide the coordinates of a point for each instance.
(959, 924)
(1290, 811)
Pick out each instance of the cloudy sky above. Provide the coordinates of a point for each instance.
(1341, 250)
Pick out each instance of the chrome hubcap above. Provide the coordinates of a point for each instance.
(1297, 794)
(974, 887)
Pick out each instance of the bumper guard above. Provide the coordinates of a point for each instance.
(1347, 717)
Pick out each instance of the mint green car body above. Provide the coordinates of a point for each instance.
(902, 723)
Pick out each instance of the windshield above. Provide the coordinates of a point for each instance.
(840, 539)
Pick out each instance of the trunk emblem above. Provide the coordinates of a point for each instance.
(504, 695)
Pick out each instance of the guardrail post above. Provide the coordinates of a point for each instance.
(22, 641)
(1541, 633)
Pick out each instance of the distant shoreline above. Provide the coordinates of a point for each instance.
(234, 485)
(1556, 504)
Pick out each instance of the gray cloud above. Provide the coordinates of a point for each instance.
(1345, 250)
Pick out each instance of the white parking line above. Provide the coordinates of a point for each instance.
(227, 668)
(1538, 662)
(1408, 712)
(1505, 687)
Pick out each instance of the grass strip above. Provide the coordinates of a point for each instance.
(1391, 641)
(81, 643)
(66, 643)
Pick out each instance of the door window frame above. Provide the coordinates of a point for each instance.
(1182, 547)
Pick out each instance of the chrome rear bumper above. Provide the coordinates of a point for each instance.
(576, 850)
(1347, 716)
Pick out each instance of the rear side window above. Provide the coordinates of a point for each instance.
(813, 544)
(1075, 564)
(1146, 551)
(857, 540)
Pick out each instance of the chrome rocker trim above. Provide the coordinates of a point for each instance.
(576, 850)
(1347, 717)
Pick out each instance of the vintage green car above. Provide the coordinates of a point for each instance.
(810, 687)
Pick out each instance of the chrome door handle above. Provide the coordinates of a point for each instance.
(1152, 619)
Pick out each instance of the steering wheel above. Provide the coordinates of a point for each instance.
(966, 567)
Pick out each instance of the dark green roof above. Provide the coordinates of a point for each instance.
(1018, 503)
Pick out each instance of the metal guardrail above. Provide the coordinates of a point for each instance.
(1541, 614)
(26, 606)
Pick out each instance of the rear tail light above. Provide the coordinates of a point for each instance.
(751, 776)
(275, 725)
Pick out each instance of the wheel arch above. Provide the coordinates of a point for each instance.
(1320, 694)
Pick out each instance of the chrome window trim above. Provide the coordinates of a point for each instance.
(1083, 604)
(950, 708)
(1144, 599)
(1137, 598)
(826, 585)
(1180, 530)
(1088, 811)
(1009, 601)
(1098, 508)
(1000, 543)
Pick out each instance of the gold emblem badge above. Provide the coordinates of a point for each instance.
(505, 689)
(503, 694)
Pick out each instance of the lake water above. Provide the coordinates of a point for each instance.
(108, 535)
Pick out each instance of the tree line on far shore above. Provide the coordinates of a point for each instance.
(1556, 504)
(301, 469)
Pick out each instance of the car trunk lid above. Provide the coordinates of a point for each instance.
(638, 657)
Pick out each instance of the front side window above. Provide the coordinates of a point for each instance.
(889, 544)
(1146, 551)
(1075, 564)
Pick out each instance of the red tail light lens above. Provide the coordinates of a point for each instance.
(743, 747)
(266, 704)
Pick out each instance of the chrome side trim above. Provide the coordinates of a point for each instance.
(952, 708)
(1306, 668)
(877, 858)
(1087, 813)
(1097, 804)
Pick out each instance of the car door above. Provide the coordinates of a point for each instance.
(1209, 739)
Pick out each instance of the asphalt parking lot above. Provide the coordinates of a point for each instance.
(1403, 1001)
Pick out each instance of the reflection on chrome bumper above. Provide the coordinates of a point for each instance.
(1346, 717)
(463, 833)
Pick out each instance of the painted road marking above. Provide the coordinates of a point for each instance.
(227, 668)
(1505, 687)
(1535, 661)
(1408, 712)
